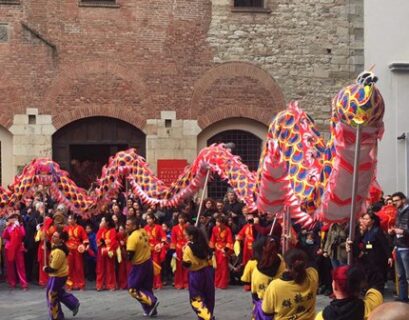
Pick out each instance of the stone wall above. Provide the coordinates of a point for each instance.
(171, 138)
(200, 59)
(310, 47)
(32, 134)
(150, 56)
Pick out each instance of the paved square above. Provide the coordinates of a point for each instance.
(232, 303)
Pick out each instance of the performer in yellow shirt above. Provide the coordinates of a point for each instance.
(140, 278)
(346, 284)
(258, 273)
(196, 258)
(293, 295)
(58, 272)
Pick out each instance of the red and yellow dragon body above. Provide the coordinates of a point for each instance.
(297, 169)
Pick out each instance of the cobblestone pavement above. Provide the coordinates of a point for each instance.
(232, 303)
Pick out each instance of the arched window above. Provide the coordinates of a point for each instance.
(247, 146)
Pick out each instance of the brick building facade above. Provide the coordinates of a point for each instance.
(178, 71)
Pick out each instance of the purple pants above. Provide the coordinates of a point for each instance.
(202, 292)
(140, 284)
(258, 313)
(56, 295)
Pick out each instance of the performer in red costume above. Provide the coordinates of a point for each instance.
(157, 239)
(44, 233)
(178, 241)
(246, 235)
(77, 244)
(222, 243)
(14, 257)
(107, 244)
(124, 265)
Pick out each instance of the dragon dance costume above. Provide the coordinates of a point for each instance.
(222, 243)
(44, 235)
(178, 241)
(156, 237)
(140, 278)
(14, 255)
(259, 282)
(77, 241)
(56, 294)
(201, 284)
(107, 247)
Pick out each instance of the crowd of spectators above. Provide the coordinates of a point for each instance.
(98, 244)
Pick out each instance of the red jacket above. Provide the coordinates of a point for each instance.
(76, 236)
(14, 236)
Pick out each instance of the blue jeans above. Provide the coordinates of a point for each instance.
(336, 263)
(402, 262)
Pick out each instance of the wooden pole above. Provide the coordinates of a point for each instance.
(272, 226)
(45, 248)
(355, 180)
(286, 229)
(202, 198)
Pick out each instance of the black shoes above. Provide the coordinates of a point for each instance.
(154, 311)
(76, 309)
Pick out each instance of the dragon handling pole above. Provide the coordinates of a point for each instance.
(272, 226)
(202, 198)
(286, 229)
(45, 250)
(355, 179)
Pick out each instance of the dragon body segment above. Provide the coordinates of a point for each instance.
(297, 169)
(319, 174)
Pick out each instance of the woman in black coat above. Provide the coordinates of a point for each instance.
(373, 251)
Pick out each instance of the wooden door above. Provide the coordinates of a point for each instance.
(84, 146)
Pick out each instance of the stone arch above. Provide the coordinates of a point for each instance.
(72, 74)
(255, 127)
(83, 146)
(246, 149)
(232, 71)
(62, 119)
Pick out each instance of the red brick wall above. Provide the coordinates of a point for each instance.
(129, 62)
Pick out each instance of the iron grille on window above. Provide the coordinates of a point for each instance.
(247, 146)
(249, 3)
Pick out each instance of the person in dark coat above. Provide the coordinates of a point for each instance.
(401, 237)
(31, 218)
(374, 251)
(234, 209)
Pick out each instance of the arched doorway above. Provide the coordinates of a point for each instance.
(247, 146)
(82, 147)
